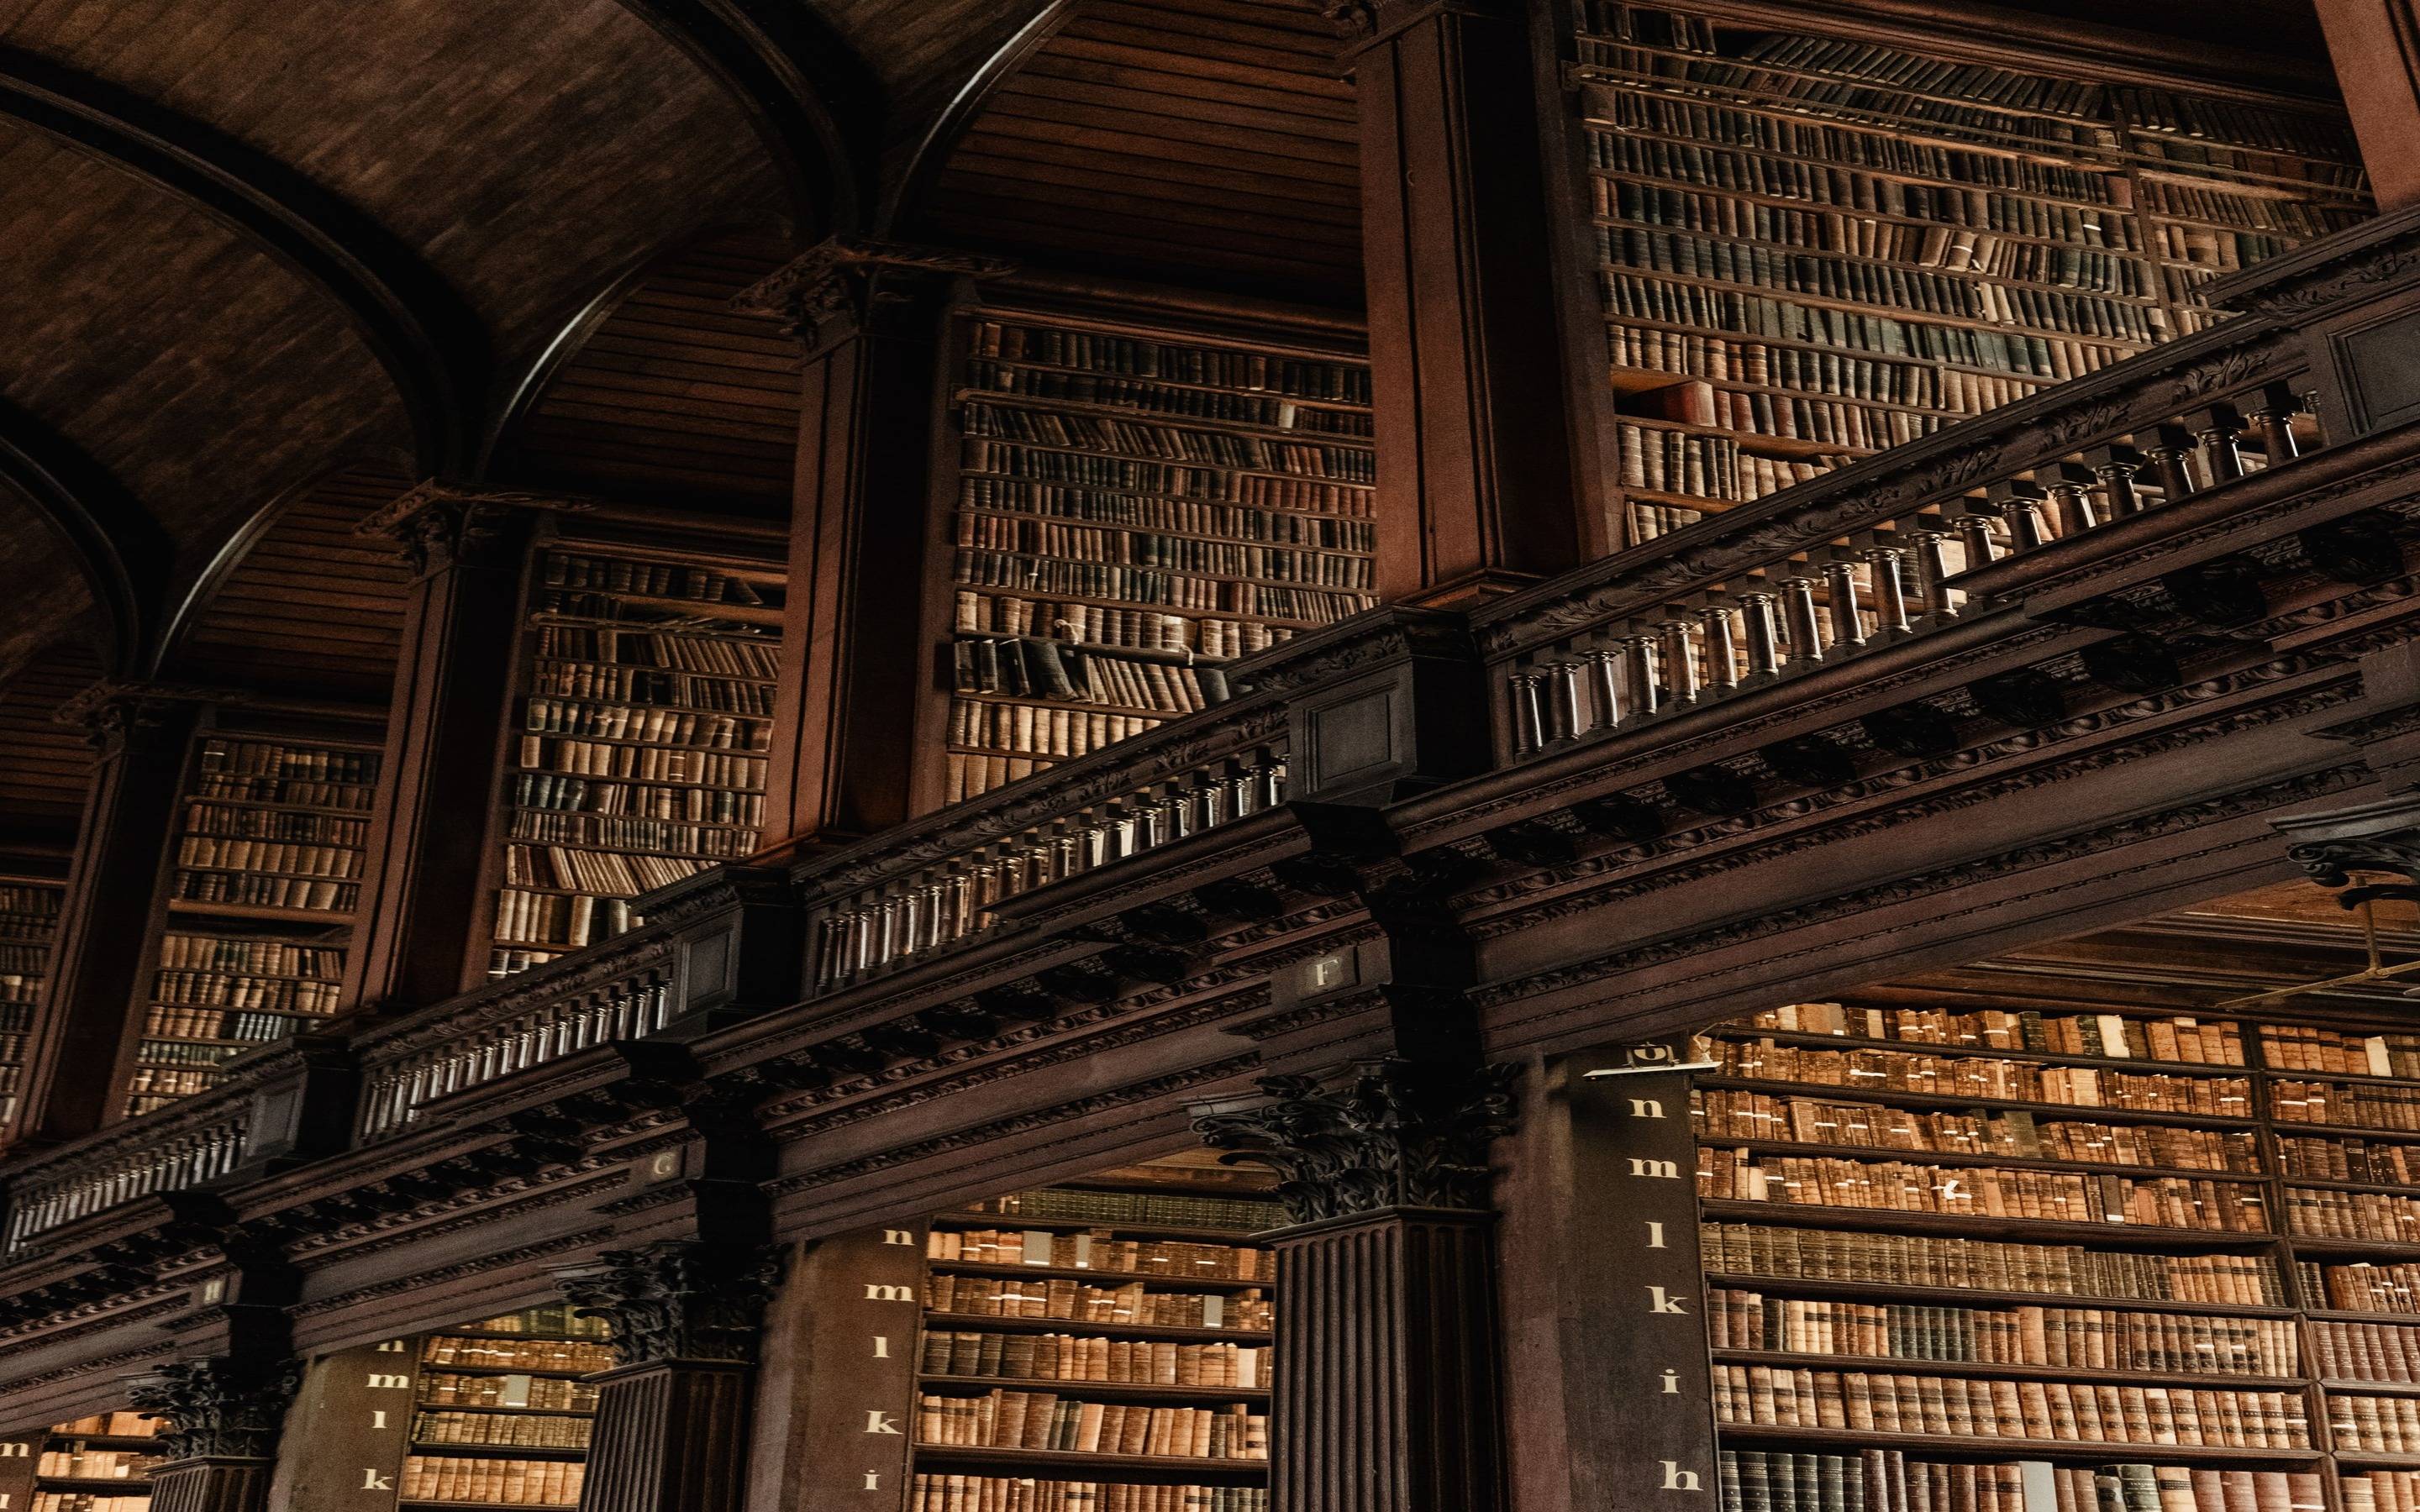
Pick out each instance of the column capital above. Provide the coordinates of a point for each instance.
(678, 1300)
(218, 1407)
(1390, 1134)
(440, 523)
(117, 715)
(841, 285)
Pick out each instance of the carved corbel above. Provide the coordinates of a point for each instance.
(845, 284)
(438, 523)
(222, 1408)
(679, 1300)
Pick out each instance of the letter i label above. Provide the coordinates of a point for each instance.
(1671, 1384)
(1655, 1235)
(873, 1481)
(881, 1346)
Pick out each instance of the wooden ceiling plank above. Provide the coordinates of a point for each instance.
(1116, 137)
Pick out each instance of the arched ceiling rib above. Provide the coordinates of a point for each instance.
(117, 552)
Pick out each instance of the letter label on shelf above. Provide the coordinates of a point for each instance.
(382, 1382)
(373, 1481)
(898, 1236)
(16, 1449)
(1671, 1384)
(1677, 1479)
(1662, 1170)
(880, 1422)
(1659, 1301)
(1646, 1107)
(1656, 1234)
(876, 1292)
(873, 1481)
(390, 1347)
(881, 1348)
(377, 1417)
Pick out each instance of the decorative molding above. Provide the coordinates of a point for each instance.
(676, 1299)
(224, 1408)
(2370, 837)
(832, 290)
(438, 523)
(1400, 1134)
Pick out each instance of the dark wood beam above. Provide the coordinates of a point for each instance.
(119, 547)
(421, 330)
(814, 102)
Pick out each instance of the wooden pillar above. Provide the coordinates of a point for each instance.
(1388, 1395)
(424, 915)
(97, 955)
(2375, 45)
(672, 1428)
(1475, 492)
(221, 1417)
(855, 665)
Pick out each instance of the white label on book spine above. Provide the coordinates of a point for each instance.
(1213, 1311)
(2379, 1063)
(2113, 1036)
(2040, 1485)
(515, 1391)
(1037, 1247)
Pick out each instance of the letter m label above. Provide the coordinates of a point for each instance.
(875, 1292)
(1664, 1169)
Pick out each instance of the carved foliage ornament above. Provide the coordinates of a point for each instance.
(679, 1300)
(437, 523)
(1398, 1134)
(229, 1407)
(832, 281)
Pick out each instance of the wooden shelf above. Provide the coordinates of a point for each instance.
(1112, 1278)
(2370, 1388)
(1090, 1225)
(1010, 398)
(545, 1372)
(1963, 1225)
(1861, 1290)
(1108, 1391)
(2369, 1249)
(260, 911)
(1998, 1447)
(1151, 381)
(1810, 1040)
(1961, 1161)
(1955, 1102)
(495, 1451)
(977, 1322)
(1092, 1466)
(1977, 1369)
(109, 1485)
(1077, 705)
(140, 1442)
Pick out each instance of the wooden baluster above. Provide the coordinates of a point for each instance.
(2272, 414)
(1715, 633)
(1887, 566)
(1931, 554)
(2167, 447)
(2216, 430)
(1638, 661)
(1605, 687)
(1805, 626)
(1563, 699)
(2114, 467)
(2019, 503)
(1529, 712)
(1976, 536)
(1840, 587)
(1680, 666)
(2070, 490)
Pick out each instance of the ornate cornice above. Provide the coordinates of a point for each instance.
(1397, 1133)
(678, 1300)
(2334, 270)
(229, 1407)
(438, 523)
(833, 288)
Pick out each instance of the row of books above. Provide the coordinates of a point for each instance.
(654, 724)
(1884, 1480)
(966, 776)
(1102, 434)
(169, 1053)
(543, 1394)
(1193, 516)
(116, 1423)
(1023, 1493)
(2364, 1215)
(53, 1501)
(1993, 1265)
(2358, 1105)
(154, 1086)
(1713, 466)
(641, 684)
(1978, 1076)
(313, 860)
(2208, 247)
(1100, 1250)
(984, 455)
(20, 986)
(538, 1353)
(581, 572)
(2365, 1286)
(2019, 1133)
(2364, 1352)
(288, 762)
(1041, 668)
(72, 1460)
(2251, 212)
(511, 1430)
(558, 918)
(1841, 211)
(1029, 536)
(1041, 732)
(2055, 1196)
(734, 651)
(272, 824)
(1826, 422)
(2180, 1037)
(216, 1023)
(688, 802)
(499, 1482)
(332, 797)
(1146, 397)
(2069, 1412)
(2303, 1047)
(595, 870)
(2377, 1424)
(32, 899)
(2379, 1490)
(2089, 1339)
(1136, 357)
(1130, 1304)
(1878, 381)
(249, 954)
(621, 832)
(1101, 624)
(255, 890)
(1241, 1215)
(1075, 1357)
(668, 765)
(1146, 586)
(1042, 1420)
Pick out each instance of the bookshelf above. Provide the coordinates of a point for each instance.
(1133, 509)
(1810, 248)
(500, 1416)
(100, 1463)
(643, 737)
(1104, 1347)
(1967, 1249)
(263, 888)
(29, 917)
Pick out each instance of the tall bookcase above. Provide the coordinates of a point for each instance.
(95, 1464)
(500, 1416)
(1813, 247)
(2005, 1250)
(1095, 1349)
(29, 917)
(1134, 507)
(644, 726)
(260, 894)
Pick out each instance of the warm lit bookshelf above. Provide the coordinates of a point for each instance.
(263, 886)
(1134, 509)
(500, 1416)
(2046, 1254)
(644, 733)
(1814, 247)
(1104, 1346)
(29, 917)
(100, 1463)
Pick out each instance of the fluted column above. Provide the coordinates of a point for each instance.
(1387, 1394)
(671, 1433)
(221, 1419)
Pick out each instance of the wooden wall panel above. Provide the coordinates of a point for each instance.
(45, 768)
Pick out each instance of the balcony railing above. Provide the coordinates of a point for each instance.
(176, 1149)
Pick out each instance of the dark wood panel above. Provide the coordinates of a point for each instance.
(45, 767)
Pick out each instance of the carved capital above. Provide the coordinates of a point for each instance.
(438, 524)
(1397, 1133)
(676, 1299)
(842, 286)
(122, 715)
(2382, 837)
(222, 1408)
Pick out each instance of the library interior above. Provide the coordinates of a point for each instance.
(1210, 756)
